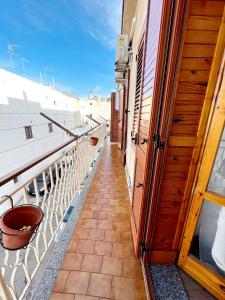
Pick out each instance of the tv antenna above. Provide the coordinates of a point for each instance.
(48, 69)
(11, 52)
(24, 60)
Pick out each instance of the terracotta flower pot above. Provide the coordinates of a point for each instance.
(93, 141)
(18, 225)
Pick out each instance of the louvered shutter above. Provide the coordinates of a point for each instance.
(140, 63)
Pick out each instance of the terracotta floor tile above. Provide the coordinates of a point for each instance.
(114, 202)
(132, 269)
(140, 293)
(100, 285)
(123, 288)
(72, 261)
(91, 200)
(103, 248)
(60, 281)
(87, 223)
(126, 236)
(101, 252)
(121, 225)
(123, 250)
(87, 214)
(72, 246)
(92, 263)
(85, 246)
(81, 234)
(96, 234)
(102, 215)
(105, 224)
(112, 266)
(122, 209)
(92, 207)
(83, 297)
(61, 296)
(112, 236)
(108, 208)
(77, 282)
(102, 201)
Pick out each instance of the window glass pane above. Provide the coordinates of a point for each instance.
(217, 179)
(208, 241)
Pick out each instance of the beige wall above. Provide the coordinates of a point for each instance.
(141, 11)
(129, 7)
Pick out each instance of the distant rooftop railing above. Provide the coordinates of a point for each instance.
(52, 189)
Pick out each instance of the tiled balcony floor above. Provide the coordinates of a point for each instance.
(100, 263)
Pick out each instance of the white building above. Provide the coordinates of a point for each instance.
(24, 134)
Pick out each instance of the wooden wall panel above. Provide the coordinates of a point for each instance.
(199, 44)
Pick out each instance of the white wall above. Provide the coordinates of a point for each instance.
(141, 11)
(21, 102)
(97, 107)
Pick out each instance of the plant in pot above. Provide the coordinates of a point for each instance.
(94, 140)
(18, 224)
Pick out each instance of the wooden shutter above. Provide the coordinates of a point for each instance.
(121, 118)
(139, 78)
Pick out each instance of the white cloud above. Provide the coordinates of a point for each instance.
(37, 23)
(104, 20)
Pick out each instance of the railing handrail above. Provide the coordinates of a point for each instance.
(11, 175)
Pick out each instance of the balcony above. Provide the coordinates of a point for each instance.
(84, 242)
(56, 190)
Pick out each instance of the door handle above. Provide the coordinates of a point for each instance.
(144, 141)
(139, 185)
(135, 138)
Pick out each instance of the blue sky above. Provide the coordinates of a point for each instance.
(75, 38)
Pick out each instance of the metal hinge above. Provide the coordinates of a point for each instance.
(155, 137)
(143, 247)
(159, 143)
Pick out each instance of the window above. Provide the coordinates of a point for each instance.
(15, 179)
(28, 132)
(50, 127)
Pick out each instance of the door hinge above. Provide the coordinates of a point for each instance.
(159, 143)
(127, 111)
(143, 247)
(155, 137)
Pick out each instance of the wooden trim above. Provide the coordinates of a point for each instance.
(210, 151)
(174, 56)
(208, 103)
(182, 141)
(162, 257)
(212, 129)
(209, 279)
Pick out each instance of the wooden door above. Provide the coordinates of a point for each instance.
(121, 95)
(125, 117)
(149, 65)
(203, 248)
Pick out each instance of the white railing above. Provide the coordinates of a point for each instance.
(52, 189)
